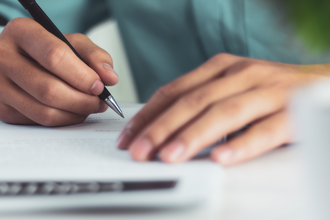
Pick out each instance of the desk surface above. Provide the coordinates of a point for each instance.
(265, 188)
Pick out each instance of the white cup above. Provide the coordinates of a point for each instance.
(310, 111)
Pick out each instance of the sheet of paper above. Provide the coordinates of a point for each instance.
(83, 151)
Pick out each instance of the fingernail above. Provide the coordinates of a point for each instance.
(97, 88)
(109, 69)
(141, 150)
(173, 152)
(226, 156)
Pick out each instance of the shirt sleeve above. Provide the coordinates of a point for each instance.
(11, 9)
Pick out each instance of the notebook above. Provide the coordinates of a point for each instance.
(80, 166)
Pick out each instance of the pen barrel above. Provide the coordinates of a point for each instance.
(26, 3)
(105, 94)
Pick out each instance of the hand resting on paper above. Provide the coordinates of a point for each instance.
(43, 82)
(218, 98)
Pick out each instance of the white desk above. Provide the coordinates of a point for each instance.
(265, 188)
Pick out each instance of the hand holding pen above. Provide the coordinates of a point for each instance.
(39, 15)
(42, 81)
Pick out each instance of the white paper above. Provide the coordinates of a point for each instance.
(83, 151)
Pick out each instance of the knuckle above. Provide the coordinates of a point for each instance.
(221, 57)
(248, 65)
(168, 91)
(48, 93)
(194, 100)
(251, 68)
(97, 52)
(17, 24)
(54, 55)
(48, 118)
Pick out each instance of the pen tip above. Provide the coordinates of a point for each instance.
(111, 102)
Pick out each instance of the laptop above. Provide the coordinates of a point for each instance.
(80, 166)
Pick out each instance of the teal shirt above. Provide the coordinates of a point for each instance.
(166, 39)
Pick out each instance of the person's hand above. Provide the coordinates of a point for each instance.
(220, 97)
(43, 82)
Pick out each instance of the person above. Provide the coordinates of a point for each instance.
(214, 67)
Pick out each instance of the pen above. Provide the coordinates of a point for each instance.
(40, 16)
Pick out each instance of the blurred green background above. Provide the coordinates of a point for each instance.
(311, 19)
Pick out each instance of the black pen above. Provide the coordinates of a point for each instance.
(40, 16)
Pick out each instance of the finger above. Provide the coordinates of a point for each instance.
(95, 57)
(37, 112)
(190, 106)
(264, 136)
(166, 95)
(221, 119)
(47, 88)
(10, 115)
(54, 55)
